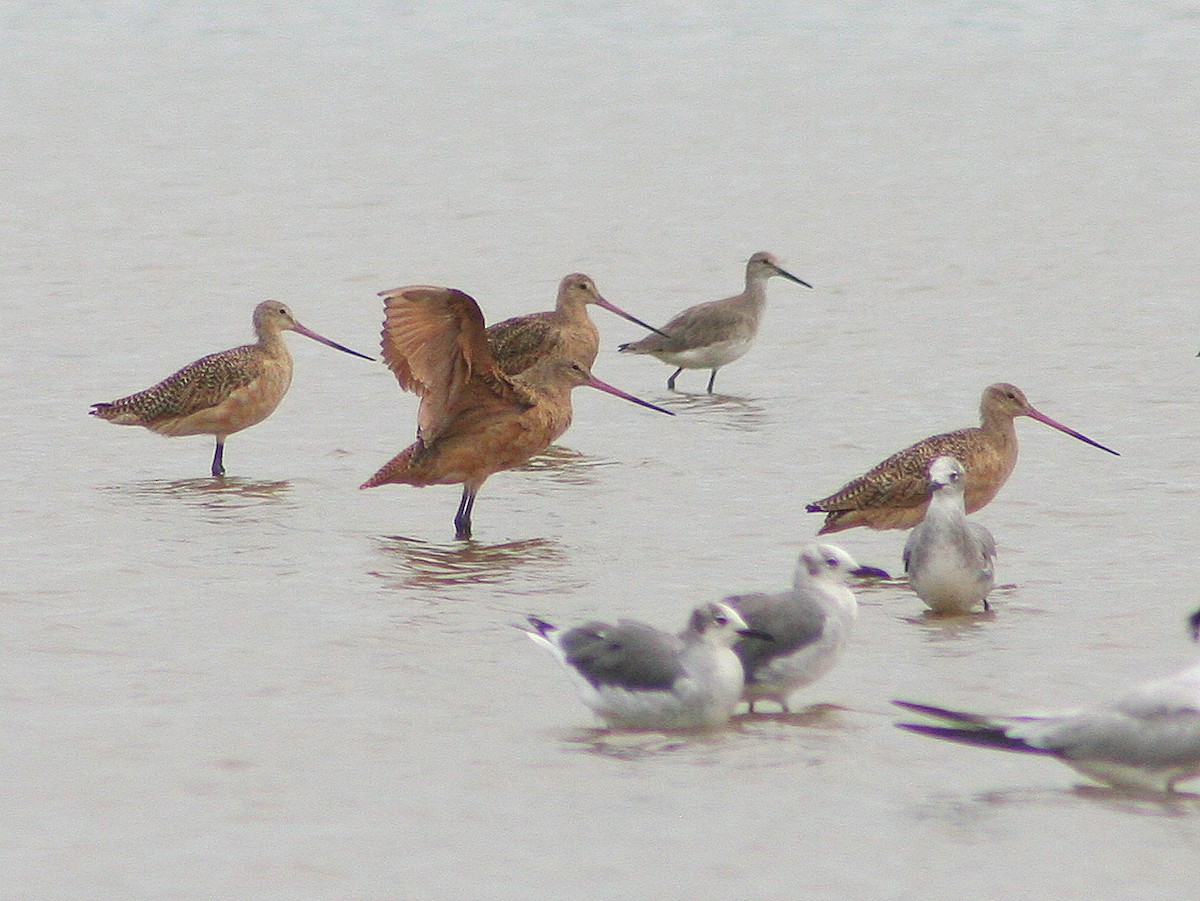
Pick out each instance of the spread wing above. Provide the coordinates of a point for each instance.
(433, 341)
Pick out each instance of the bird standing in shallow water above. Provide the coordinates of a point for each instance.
(949, 560)
(809, 625)
(1147, 740)
(711, 335)
(566, 331)
(473, 420)
(635, 676)
(894, 495)
(224, 392)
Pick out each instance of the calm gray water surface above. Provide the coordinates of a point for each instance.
(282, 687)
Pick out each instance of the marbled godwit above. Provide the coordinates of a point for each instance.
(566, 331)
(949, 560)
(224, 392)
(635, 676)
(473, 420)
(809, 625)
(711, 335)
(895, 493)
(1147, 740)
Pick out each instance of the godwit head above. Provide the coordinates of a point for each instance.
(577, 290)
(272, 317)
(1004, 402)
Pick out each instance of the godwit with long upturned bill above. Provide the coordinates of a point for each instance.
(1147, 740)
(566, 331)
(224, 392)
(711, 335)
(473, 419)
(949, 559)
(808, 625)
(894, 495)
(635, 676)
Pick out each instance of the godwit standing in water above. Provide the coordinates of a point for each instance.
(895, 494)
(711, 335)
(808, 625)
(567, 331)
(224, 392)
(473, 419)
(949, 560)
(635, 676)
(1148, 740)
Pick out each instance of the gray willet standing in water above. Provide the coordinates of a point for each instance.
(1147, 740)
(566, 331)
(895, 493)
(949, 560)
(473, 419)
(224, 392)
(714, 334)
(808, 625)
(635, 676)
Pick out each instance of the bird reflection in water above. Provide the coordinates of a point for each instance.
(421, 564)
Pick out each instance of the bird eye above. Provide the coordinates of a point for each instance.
(832, 561)
(721, 619)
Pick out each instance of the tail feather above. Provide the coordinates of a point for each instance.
(393, 469)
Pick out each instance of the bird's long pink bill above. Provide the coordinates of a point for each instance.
(594, 382)
(1042, 417)
(321, 339)
(613, 308)
(786, 274)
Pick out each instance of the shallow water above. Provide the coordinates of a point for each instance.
(279, 686)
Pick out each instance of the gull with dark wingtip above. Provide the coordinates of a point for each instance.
(224, 392)
(1146, 740)
(948, 558)
(635, 676)
(895, 494)
(809, 625)
(714, 334)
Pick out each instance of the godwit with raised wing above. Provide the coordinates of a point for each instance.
(949, 559)
(635, 676)
(566, 331)
(808, 625)
(711, 335)
(473, 419)
(1147, 740)
(895, 494)
(224, 392)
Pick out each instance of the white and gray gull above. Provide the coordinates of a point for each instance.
(1146, 740)
(949, 560)
(635, 676)
(809, 625)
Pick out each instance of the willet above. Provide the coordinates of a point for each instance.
(809, 625)
(635, 676)
(1147, 740)
(224, 392)
(566, 331)
(473, 419)
(714, 334)
(949, 560)
(895, 493)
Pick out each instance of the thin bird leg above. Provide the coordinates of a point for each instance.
(462, 519)
(218, 464)
(671, 380)
(712, 378)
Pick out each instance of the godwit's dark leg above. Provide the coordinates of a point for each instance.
(218, 466)
(671, 380)
(462, 519)
(712, 378)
